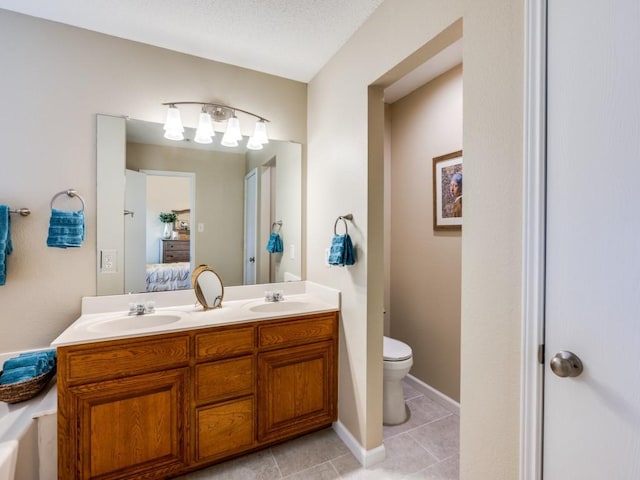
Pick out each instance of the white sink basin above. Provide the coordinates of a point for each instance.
(282, 306)
(134, 322)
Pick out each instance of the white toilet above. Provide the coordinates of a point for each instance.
(397, 361)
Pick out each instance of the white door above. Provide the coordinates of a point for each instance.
(135, 224)
(250, 226)
(592, 421)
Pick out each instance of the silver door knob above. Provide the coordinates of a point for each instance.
(566, 364)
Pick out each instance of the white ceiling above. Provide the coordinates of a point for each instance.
(287, 38)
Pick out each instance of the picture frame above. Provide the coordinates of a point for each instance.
(447, 191)
(181, 225)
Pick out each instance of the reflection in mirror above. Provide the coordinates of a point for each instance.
(226, 200)
(208, 287)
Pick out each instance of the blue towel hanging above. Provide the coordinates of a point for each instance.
(66, 229)
(342, 252)
(6, 246)
(275, 243)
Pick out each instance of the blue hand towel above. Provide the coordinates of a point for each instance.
(16, 375)
(275, 243)
(66, 229)
(5, 241)
(342, 252)
(43, 361)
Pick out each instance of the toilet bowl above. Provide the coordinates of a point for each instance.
(397, 361)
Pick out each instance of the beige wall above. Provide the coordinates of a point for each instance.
(219, 201)
(346, 176)
(55, 79)
(425, 264)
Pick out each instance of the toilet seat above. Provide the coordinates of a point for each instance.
(394, 350)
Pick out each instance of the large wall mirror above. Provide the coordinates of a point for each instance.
(226, 202)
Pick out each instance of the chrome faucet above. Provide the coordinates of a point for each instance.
(273, 296)
(141, 308)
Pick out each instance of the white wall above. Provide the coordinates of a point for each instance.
(345, 174)
(58, 78)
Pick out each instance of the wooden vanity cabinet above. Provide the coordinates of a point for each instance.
(159, 406)
(123, 408)
(297, 382)
(224, 393)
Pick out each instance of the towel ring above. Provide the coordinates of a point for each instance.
(279, 223)
(344, 219)
(70, 193)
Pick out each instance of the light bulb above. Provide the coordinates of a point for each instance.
(253, 144)
(260, 132)
(204, 132)
(173, 129)
(232, 134)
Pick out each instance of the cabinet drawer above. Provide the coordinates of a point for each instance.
(176, 245)
(173, 257)
(298, 331)
(226, 343)
(101, 361)
(224, 379)
(223, 429)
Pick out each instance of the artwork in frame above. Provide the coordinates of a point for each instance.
(447, 191)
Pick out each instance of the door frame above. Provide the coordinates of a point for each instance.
(248, 208)
(192, 201)
(534, 234)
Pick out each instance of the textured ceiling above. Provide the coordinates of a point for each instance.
(288, 38)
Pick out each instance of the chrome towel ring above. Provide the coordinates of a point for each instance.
(279, 224)
(70, 193)
(344, 219)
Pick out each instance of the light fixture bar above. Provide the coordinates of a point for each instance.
(213, 106)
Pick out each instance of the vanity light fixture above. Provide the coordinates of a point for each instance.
(215, 112)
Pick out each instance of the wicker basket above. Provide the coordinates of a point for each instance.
(21, 391)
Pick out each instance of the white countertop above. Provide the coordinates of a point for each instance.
(240, 304)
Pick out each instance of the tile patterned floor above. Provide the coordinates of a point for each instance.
(423, 448)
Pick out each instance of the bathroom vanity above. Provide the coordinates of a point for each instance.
(215, 385)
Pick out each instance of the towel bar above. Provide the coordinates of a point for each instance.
(22, 211)
(70, 193)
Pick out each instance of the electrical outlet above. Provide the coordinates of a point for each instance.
(108, 261)
(200, 227)
(292, 252)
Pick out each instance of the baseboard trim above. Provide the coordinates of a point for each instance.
(438, 397)
(366, 458)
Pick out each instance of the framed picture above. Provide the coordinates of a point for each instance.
(181, 224)
(447, 191)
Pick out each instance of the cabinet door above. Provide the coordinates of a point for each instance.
(128, 428)
(296, 390)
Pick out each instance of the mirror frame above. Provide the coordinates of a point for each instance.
(202, 300)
